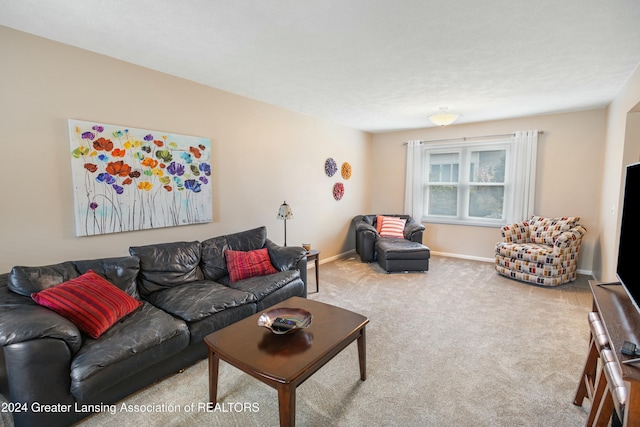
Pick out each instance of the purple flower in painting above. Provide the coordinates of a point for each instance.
(149, 137)
(98, 128)
(204, 179)
(118, 189)
(88, 135)
(206, 168)
(193, 185)
(175, 169)
(105, 177)
(93, 206)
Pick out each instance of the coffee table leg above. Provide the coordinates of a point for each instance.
(214, 363)
(362, 354)
(287, 405)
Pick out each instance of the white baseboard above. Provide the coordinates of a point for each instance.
(469, 257)
(445, 254)
(332, 258)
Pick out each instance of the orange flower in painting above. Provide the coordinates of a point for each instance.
(118, 168)
(90, 167)
(168, 188)
(103, 144)
(145, 185)
(127, 181)
(149, 162)
(118, 152)
(195, 152)
(158, 143)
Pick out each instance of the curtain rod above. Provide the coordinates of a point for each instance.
(466, 138)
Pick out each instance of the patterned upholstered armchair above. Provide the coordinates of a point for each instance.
(543, 251)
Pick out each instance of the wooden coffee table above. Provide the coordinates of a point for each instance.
(286, 361)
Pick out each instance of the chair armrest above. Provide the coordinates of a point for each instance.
(366, 236)
(569, 238)
(413, 230)
(516, 233)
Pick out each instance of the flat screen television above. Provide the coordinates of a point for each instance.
(628, 269)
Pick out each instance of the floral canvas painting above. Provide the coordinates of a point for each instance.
(133, 179)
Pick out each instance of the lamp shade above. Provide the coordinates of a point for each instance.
(285, 211)
(443, 118)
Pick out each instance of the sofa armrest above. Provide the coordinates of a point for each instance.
(29, 322)
(569, 238)
(284, 258)
(21, 320)
(38, 372)
(516, 233)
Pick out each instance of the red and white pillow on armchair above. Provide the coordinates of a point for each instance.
(390, 226)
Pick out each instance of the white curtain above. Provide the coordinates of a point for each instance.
(525, 150)
(413, 181)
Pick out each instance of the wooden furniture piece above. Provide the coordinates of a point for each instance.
(286, 361)
(314, 255)
(621, 322)
(588, 386)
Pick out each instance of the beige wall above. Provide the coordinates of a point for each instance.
(567, 178)
(622, 148)
(262, 154)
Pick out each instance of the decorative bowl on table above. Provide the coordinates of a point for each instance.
(285, 320)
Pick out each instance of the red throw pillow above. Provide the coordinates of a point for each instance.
(243, 265)
(91, 302)
(393, 227)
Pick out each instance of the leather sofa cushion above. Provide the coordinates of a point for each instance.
(261, 286)
(167, 265)
(213, 263)
(248, 240)
(140, 340)
(392, 248)
(197, 300)
(219, 320)
(28, 280)
(121, 271)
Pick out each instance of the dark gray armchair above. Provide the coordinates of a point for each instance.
(366, 234)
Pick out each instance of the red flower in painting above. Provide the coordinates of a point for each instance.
(118, 168)
(127, 181)
(158, 143)
(90, 167)
(103, 144)
(118, 152)
(195, 152)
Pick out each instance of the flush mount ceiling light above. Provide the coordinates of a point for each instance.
(443, 117)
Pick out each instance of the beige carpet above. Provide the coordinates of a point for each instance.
(457, 346)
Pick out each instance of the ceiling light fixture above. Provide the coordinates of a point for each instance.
(443, 117)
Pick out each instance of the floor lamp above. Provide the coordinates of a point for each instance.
(285, 213)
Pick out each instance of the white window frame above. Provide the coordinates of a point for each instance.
(464, 184)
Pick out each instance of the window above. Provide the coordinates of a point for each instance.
(467, 184)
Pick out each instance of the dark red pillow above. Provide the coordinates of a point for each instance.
(243, 265)
(89, 301)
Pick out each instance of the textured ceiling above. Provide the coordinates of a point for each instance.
(369, 64)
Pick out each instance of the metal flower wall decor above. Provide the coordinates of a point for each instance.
(330, 169)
